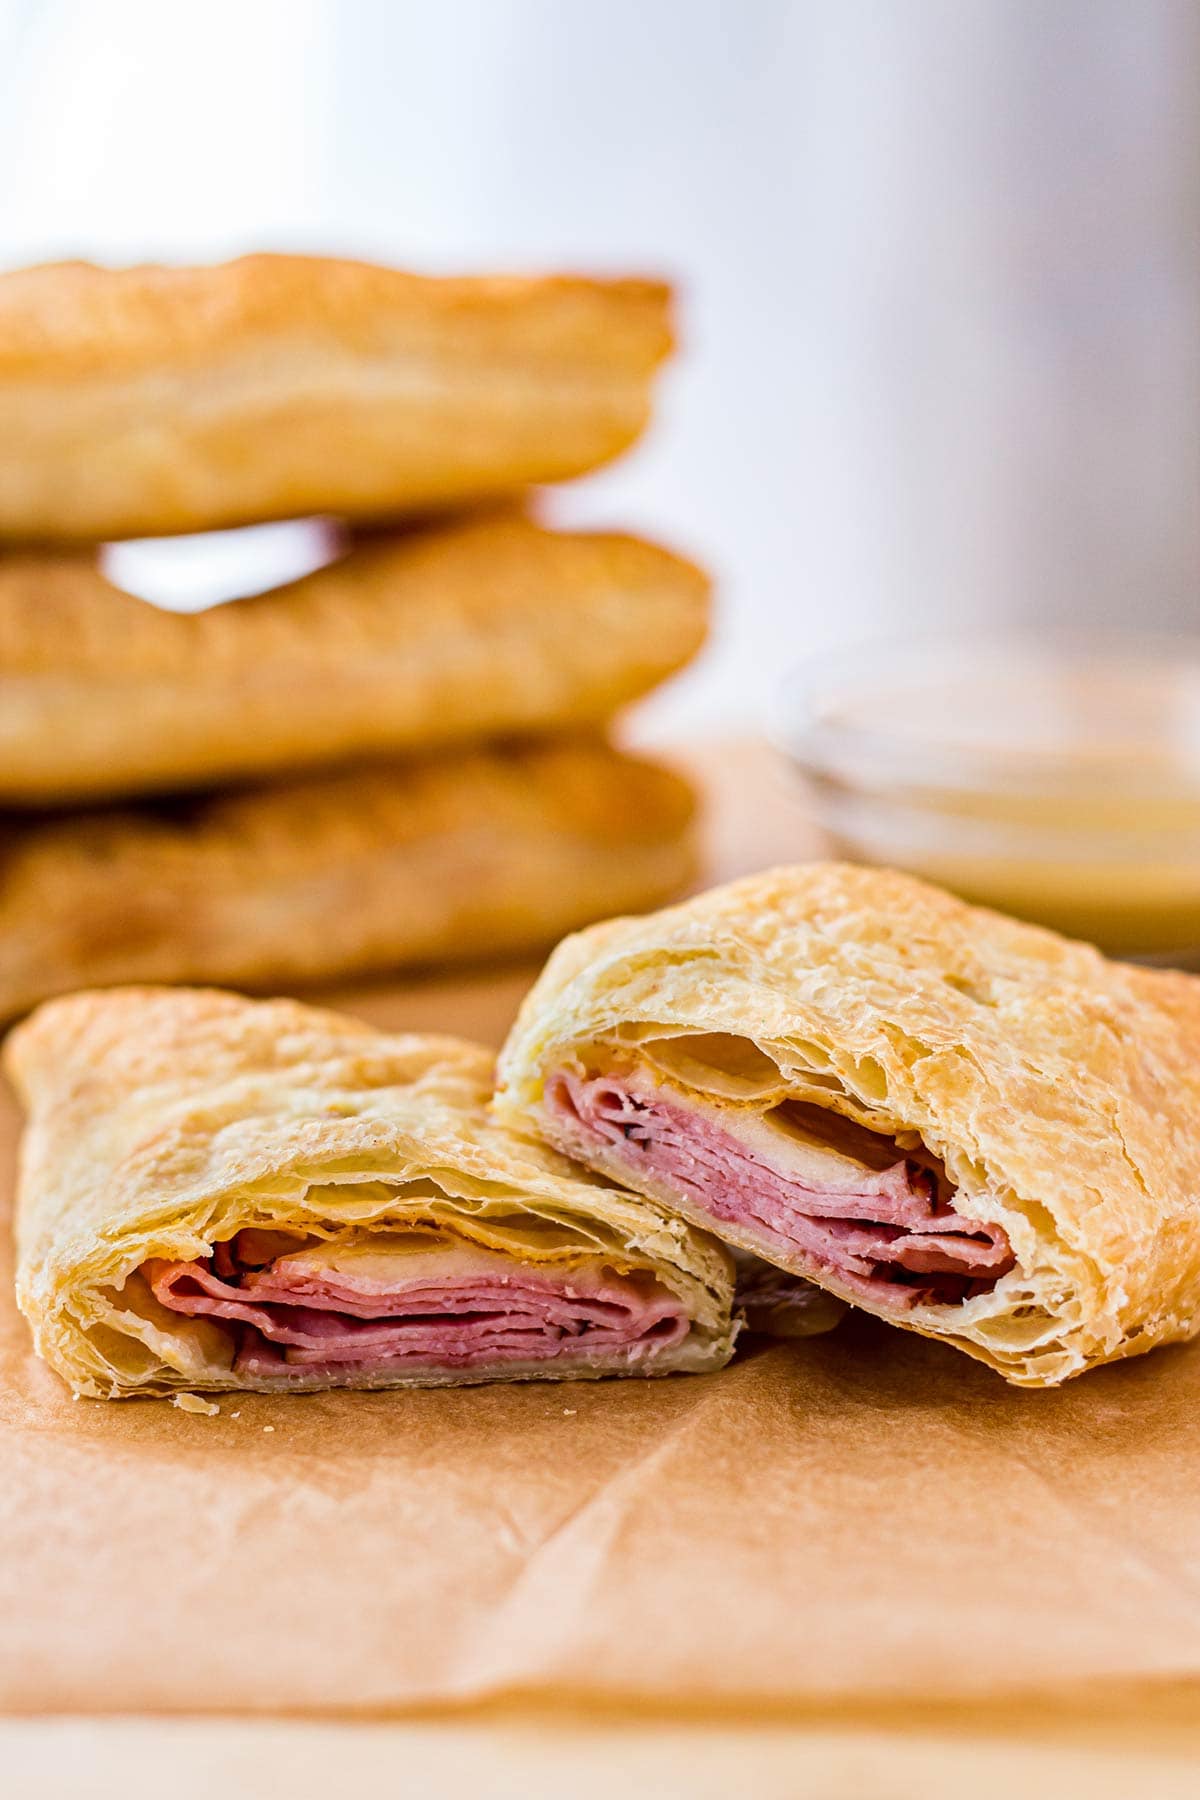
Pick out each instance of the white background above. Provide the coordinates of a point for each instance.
(940, 258)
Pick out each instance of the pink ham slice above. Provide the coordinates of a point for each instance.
(451, 1307)
(886, 1234)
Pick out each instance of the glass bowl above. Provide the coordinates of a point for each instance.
(1054, 778)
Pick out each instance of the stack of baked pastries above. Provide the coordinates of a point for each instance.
(398, 759)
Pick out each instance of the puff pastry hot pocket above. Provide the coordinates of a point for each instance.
(146, 400)
(415, 641)
(483, 855)
(218, 1193)
(967, 1125)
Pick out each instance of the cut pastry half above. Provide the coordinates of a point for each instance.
(224, 1195)
(966, 1125)
(146, 400)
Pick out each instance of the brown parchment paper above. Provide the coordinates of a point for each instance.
(854, 1523)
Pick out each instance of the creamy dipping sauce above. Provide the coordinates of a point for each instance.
(1057, 781)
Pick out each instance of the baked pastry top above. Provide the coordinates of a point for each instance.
(144, 400)
(225, 1194)
(414, 640)
(72, 318)
(1021, 1114)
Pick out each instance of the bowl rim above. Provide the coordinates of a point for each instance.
(840, 753)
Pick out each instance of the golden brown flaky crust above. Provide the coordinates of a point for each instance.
(144, 400)
(1061, 1090)
(164, 1121)
(486, 854)
(413, 641)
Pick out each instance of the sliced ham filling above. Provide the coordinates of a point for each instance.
(818, 1193)
(377, 1302)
